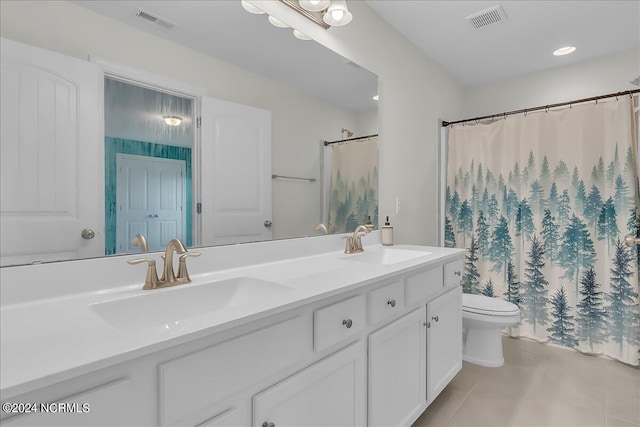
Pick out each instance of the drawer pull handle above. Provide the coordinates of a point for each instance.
(392, 302)
(348, 323)
(436, 318)
(266, 424)
(458, 273)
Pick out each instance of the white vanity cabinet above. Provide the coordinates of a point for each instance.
(444, 340)
(397, 371)
(375, 354)
(329, 393)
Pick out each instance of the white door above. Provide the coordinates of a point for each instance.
(51, 153)
(150, 200)
(444, 341)
(330, 393)
(397, 368)
(235, 167)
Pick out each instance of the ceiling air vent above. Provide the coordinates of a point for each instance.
(153, 19)
(487, 17)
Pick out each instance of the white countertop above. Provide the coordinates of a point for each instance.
(51, 339)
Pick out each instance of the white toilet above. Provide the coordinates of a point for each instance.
(482, 319)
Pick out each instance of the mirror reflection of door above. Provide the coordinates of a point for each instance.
(148, 167)
(150, 199)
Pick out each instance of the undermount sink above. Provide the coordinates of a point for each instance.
(386, 256)
(170, 307)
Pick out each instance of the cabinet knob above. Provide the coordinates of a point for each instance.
(348, 323)
(392, 302)
(458, 273)
(427, 324)
(266, 424)
(436, 318)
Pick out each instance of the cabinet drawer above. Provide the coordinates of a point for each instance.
(452, 273)
(338, 322)
(423, 285)
(386, 301)
(198, 380)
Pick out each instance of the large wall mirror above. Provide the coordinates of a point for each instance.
(310, 93)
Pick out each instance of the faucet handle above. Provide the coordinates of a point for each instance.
(151, 281)
(348, 248)
(182, 266)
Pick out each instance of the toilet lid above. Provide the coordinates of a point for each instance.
(486, 305)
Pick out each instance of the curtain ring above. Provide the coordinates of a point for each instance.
(546, 109)
(570, 106)
(477, 121)
(504, 115)
(525, 112)
(596, 101)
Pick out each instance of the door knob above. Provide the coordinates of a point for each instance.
(88, 234)
(348, 323)
(631, 241)
(268, 224)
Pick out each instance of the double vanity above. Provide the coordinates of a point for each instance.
(284, 333)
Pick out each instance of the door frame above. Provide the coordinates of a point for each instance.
(157, 82)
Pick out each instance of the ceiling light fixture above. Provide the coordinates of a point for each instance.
(337, 14)
(172, 120)
(564, 51)
(300, 35)
(314, 5)
(277, 23)
(376, 97)
(251, 8)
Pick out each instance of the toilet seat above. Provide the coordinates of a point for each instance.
(480, 304)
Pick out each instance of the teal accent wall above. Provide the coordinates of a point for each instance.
(112, 146)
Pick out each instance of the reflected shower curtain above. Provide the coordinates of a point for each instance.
(542, 204)
(353, 193)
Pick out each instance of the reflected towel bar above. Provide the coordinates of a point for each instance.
(293, 177)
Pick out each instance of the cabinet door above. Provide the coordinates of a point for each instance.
(329, 393)
(444, 341)
(397, 366)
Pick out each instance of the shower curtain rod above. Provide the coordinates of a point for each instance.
(544, 107)
(350, 139)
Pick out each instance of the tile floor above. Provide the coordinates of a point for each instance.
(539, 385)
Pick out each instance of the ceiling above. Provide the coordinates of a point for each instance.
(523, 43)
(224, 30)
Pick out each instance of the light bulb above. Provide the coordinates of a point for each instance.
(314, 5)
(564, 51)
(300, 35)
(337, 14)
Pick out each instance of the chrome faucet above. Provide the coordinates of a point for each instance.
(354, 242)
(168, 276)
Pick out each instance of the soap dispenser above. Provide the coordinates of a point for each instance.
(370, 226)
(387, 233)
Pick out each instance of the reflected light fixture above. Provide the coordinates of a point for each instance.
(251, 8)
(277, 23)
(300, 35)
(337, 14)
(564, 50)
(376, 97)
(172, 120)
(314, 5)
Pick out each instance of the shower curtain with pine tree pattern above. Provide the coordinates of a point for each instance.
(353, 192)
(542, 203)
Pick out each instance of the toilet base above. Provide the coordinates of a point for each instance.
(482, 347)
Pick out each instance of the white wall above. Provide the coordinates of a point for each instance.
(299, 121)
(414, 93)
(601, 76)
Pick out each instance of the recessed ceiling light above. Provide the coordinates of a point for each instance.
(277, 23)
(564, 50)
(376, 97)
